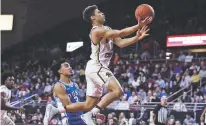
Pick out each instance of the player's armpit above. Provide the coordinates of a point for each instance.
(60, 92)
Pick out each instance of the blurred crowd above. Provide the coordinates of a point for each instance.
(142, 83)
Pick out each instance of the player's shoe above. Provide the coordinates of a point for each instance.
(49, 113)
(87, 117)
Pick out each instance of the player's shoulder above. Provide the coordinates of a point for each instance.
(100, 30)
(107, 27)
(58, 86)
(76, 85)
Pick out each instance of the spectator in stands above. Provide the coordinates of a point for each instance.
(100, 122)
(132, 120)
(122, 119)
(142, 94)
(202, 72)
(177, 68)
(189, 57)
(82, 92)
(127, 93)
(187, 77)
(48, 87)
(188, 120)
(194, 67)
(156, 73)
(179, 106)
(195, 80)
(184, 83)
(155, 98)
(111, 122)
(141, 79)
(177, 122)
(39, 115)
(163, 93)
(181, 58)
(132, 99)
(145, 55)
(123, 105)
(160, 82)
(171, 120)
(109, 116)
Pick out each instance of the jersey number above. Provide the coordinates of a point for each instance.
(108, 55)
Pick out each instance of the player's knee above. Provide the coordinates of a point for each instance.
(118, 93)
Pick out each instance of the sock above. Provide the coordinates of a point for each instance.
(61, 110)
(95, 111)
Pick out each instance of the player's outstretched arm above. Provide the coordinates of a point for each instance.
(99, 33)
(127, 31)
(4, 106)
(128, 41)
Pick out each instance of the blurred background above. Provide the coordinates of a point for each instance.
(147, 70)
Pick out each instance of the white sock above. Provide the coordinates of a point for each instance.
(61, 110)
(95, 111)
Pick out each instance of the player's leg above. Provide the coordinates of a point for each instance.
(115, 92)
(83, 106)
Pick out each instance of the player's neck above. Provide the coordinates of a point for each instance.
(97, 24)
(65, 80)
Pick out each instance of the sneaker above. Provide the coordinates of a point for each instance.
(88, 118)
(49, 113)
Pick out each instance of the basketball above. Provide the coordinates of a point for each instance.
(143, 11)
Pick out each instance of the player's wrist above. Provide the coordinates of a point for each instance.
(138, 26)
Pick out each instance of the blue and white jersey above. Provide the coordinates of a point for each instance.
(73, 118)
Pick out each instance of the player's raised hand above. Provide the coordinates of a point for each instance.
(142, 33)
(144, 22)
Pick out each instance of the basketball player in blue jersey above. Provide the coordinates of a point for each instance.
(65, 92)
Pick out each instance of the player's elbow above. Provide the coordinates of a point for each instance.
(120, 44)
(121, 33)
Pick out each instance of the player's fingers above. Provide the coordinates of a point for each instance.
(146, 35)
(146, 19)
(147, 30)
(144, 28)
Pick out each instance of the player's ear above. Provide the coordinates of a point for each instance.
(59, 71)
(92, 18)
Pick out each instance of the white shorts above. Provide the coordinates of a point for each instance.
(97, 77)
(6, 120)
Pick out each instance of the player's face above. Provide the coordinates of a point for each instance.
(99, 16)
(10, 82)
(66, 69)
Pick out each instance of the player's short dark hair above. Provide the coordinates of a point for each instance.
(5, 75)
(56, 66)
(88, 12)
